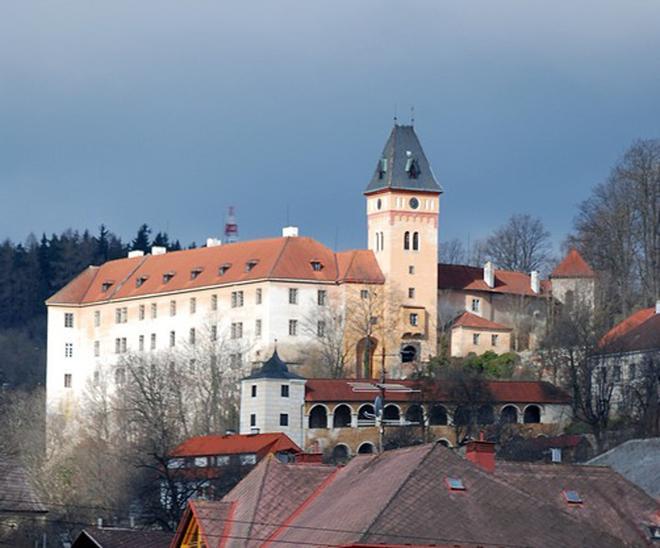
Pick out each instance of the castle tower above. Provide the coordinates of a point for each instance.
(574, 281)
(403, 200)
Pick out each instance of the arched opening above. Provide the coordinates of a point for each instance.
(408, 353)
(415, 242)
(366, 448)
(445, 442)
(462, 416)
(340, 453)
(365, 351)
(318, 417)
(366, 415)
(415, 414)
(532, 414)
(486, 415)
(391, 413)
(406, 240)
(341, 418)
(438, 416)
(509, 414)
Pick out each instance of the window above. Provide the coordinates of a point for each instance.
(406, 240)
(236, 360)
(317, 266)
(195, 272)
(254, 392)
(237, 330)
(284, 390)
(192, 336)
(97, 377)
(223, 269)
(141, 343)
(124, 346)
(105, 286)
(293, 295)
(293, 327)
(475, 338)
(411, 292)
(248, 459)
(414, 318)
(321, 297)
(117, 345)
(364, 293)
(631, 371)
(141, 312)
(172, 338)
(572, 497)
(214, 302)
(455, 484)
(97, 349)
(476, 305)
(616, 373)
(258, 296)
(284, 419)
(139, 281)
(120, 375)
(97, 318)
(167, 277)
(257, 328)
(253, 420)
(68, 350)
(154, 311)
(153, 341)
(201, 462)
(222, 460)
(250, 265)
(193, 305)
(120, 315)
(68, 319)
(67, 380)
(214, 332)
(320, 328)
(415, 242)
(236, 299)
(493, 340)
(411, 269)
(172, 308)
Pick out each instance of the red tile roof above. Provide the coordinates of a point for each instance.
(235, 444)
(122, 538)
(272, 259)
(467, 319)
(573, 266)
(463, 277)
(640, 331)
(349, 390)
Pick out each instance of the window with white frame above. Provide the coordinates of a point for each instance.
(141, 343)
(237, 330)
(258, 296)
(68, 377)
(154, 311)
(124, 346)
(253, 419)
(322, 297)
(493, 340)
(152, 343)
(284, 419)
(293, 295)
(97, 349)
(293, 327)
(475, 338)
(120, 376)
(214, 302)
(172, 338)
(68, 350)
(117, 345)
(248, 459)
(411, 292)
(193, 305)
(214, 332)
(68, 319)
(476, 305)
(172, 308)
(97, 318)
(236, 299)
(364, 293)
(192, 336)
(411, 269)
(414, 319)
(320, 328)
(257, 328)
(141, 312)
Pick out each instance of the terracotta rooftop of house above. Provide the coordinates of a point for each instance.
(286, 258)
(468, 319)
(16, 493)
(457, 276)
(639, 331)
(423, 496)
(365, 390)
(573, 266)
(121, 538)
(234, 444)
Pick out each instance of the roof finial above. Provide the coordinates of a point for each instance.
(396, 119)
(412, 115)
(275, 346)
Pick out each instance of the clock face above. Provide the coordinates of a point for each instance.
(414, 203)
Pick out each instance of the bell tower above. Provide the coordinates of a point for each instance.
(403, 201)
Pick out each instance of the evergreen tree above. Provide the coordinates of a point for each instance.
(141, 241)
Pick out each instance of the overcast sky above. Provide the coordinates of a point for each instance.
(124, 112)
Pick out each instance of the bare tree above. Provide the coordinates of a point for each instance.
(453, 252)
(522, 244)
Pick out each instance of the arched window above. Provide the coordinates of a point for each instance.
(486, 415)
(509, 414)
(366, 415)
(415, 414)
(532, 414)
(391, 413)
(341, 417)
(340, 453)
(318, 417)
(366, 448)
(382, 241)
(438, 416)
(406, 240)
(408, 353)
(416, 241)
(462, 416)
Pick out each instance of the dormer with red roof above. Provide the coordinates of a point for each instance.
(573, 281)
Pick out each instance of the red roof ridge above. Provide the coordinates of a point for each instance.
(278, 258)
(121, 283)
(626, 325)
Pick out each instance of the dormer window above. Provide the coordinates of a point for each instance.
(317, 266)
(572, 496)
(412, 168)
(382, 168)
(251, 264)
(455, 484)
(140, 280)
(168, 276)
(196, 272)
(105, 286)
(223, 269)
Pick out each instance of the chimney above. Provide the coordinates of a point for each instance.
(290, 231)
(135, 253)
(158, 250)
(212, 242)
(657, 306)
(99, 523)
(254, 430)
(535, 282)
(230, 432)
(489, 274)
(481, 453)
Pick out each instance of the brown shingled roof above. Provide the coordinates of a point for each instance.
(467, 319)
(463, 277)
(573, 266)
(234, 444)
(122, 538)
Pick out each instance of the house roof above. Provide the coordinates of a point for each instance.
(639, 331)
(16, 493)
(573, 266)
(464, 277)
(357, 390)
(274, 368)
(121, 538)
(407, 167)
(272, 259)
(467, 319)
(235, 444)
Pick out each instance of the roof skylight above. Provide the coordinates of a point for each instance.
(455, 484)
(572, 496)
(223, 269)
